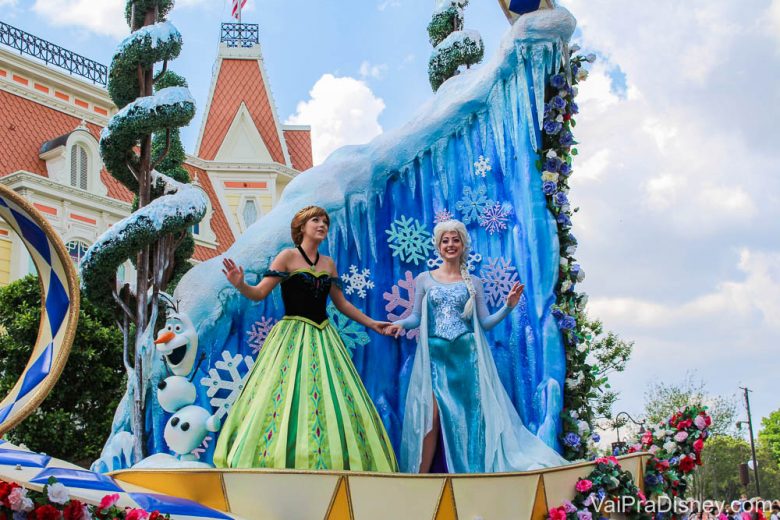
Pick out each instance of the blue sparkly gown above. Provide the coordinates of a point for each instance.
(481, 431)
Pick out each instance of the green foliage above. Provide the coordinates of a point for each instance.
(72, 422)
(770, 434)
(446, 58)
(607, 353)
(444, 22)
(135, 11)
(664, 399)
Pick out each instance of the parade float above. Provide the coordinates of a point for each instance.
(493, 147)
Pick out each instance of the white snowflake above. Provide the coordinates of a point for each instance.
(357, 281)
(352, 333)
(442, 216)
(258, 333)
(499, 277)
(409, 240)
(494, 217)
(224, 392)
(474, 259)
(482, 166)
(395, 301)
(473, 203)
(203, 447)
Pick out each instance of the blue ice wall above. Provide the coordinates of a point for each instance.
(489, 114)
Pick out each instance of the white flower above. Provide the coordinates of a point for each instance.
(582, 74)
(670, 447)
(575, 91)
(559, 119)
(582, 347)
(659, 433)
(590, 57)
(550, 176)
(581, 275)
(565, 285)
(571, 249)
(575, 381)
(583, 427)
(575, 48)
(653, 449)
(574, 414)
(551, 153)
(58, 493)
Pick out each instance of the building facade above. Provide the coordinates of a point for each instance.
(50, 123)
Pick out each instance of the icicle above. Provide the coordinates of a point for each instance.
(371, 220)
(439, 164)
(481, 121)
(496, 113)
(340, 221)
(411, 179)
(357, 204)
(470, 160)
(510, 98)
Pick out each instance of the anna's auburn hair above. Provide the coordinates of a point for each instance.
(301, 218)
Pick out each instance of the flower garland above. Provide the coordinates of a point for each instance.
(582, 379)
(607, 484)
(676, 446)
(54, 503)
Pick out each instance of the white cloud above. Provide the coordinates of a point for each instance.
(367, 70)
(384, 4)
(105, 17)
(341, 111)
(8, 3)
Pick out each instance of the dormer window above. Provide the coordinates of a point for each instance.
(76, 249)
(79, 167)
(249, 213)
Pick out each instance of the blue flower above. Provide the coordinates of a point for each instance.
(565, 169)
(568, 323)
(574, 69)
(561, 199)
(552, 164)
(574, 108)
(674, 460)
(601, 493)
(558, 81)
(572, 440)
(566, 139)
(552, 127)
(547, 110)
(548, 187)
(558, 314)
(564, 220)
(596, 437)
(558, 102)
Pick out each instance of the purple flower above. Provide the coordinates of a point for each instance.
(552, 164)
(584, 515)
(568, 323)
(596, 437)
(558, 81)
(572, 440)
(552, 127)
(565, 169)
(548, 187)
(566, 139)
(561, 199)
(568, 506)
(574, 108)
(564, 220)
(558, 102)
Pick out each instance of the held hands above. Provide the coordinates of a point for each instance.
(392, 330)
(513, 297)
(379, 326)
(234, 273)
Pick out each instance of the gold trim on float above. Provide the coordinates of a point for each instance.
(540, 510)
(204, 488)
(42, 390)
(340, 507)
(446, 508)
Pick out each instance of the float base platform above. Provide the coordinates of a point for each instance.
(342, 495)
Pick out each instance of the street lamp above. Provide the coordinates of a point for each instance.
(619, 446)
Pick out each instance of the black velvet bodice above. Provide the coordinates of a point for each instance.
(305, 293)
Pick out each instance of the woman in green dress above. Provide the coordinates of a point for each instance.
(304, 405)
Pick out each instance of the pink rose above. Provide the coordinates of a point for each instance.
(584, 485)
(558, 513)
(19, 501)
(653, 449)
(680, 436)
(136, 514)
(108, 501)
(700, 422)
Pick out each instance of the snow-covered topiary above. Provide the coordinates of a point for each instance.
(454, 47)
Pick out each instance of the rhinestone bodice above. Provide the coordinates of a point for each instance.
(446, 303)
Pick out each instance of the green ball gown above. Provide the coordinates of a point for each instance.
(304, 405)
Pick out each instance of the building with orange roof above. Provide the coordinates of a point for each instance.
(50, 122)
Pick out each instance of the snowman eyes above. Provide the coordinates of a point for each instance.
(178, 328)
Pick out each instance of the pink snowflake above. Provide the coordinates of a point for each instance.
(258, 333)
(395, 301)
(494, 218)
(442, 216)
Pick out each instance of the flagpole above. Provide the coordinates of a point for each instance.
(239, 11)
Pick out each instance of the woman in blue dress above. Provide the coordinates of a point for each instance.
(455, 396)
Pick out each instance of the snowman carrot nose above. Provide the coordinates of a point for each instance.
(165, 337)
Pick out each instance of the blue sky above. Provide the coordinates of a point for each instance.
(677, 180)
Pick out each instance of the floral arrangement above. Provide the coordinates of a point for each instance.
(54, 503)
(607, 484)
(676, 445)
(556, 154)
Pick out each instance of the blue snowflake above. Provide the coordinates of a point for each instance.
(473, 204)
(409, 240)
(352, 333)
(499, 277)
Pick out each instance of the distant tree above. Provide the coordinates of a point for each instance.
(609, 354)
(73, 421)
(663, 399)
(453, 47)
(770, 434)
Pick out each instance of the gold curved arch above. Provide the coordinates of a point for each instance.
(60, 299)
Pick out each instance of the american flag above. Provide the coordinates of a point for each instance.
(237, 5)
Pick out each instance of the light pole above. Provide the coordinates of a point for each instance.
(752, 443)
(618, 445)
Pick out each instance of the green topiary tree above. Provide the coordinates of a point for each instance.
(453, 47)
(156, 236)
(73, 420)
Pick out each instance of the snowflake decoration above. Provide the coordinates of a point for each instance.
(409, 240)
(258, 333)
(482, 166)
(473, 203)
(498, 277)
(494, 217)
(357, 281)
(203, 447)
(224, 392)
(442, 216)
(352, 333)
(474, 259)
(395, 301)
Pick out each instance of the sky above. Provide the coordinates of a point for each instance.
(677, 181)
